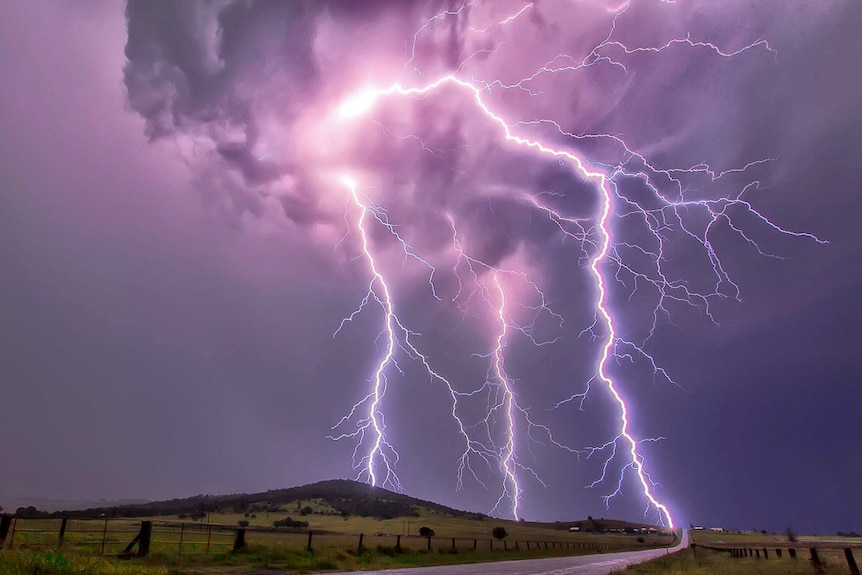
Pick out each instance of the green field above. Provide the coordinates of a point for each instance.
(443, 526)
(335, 544)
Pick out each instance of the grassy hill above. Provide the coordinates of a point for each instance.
(334, 497)
(325, 504)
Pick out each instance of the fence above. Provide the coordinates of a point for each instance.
(127, 537)
(778, 553)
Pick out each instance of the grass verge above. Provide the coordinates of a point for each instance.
(252, 559)
(707, 562)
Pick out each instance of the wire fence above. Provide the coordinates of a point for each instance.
(815, 554)
(127, 537)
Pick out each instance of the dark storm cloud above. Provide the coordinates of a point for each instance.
(214, 71)
(198, 69)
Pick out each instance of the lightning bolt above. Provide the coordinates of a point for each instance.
(377, 465)
(511, 488)
(669, 210)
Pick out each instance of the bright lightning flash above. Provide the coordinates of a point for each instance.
(375, 457)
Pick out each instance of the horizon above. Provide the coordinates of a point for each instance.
(123, 502)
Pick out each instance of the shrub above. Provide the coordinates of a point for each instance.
(290, 523)
(499, 532)
(306, 511)
(791, 535)
(426, 532)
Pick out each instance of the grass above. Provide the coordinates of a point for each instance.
(335, 542)
(33, 551)
(60, 563)
(731, 538)
(255, 557)
(443, 526)
(706, 562)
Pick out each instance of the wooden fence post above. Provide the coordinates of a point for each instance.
(104, 536)
(429, 543)
(5, 523)
(453, 546)
(62, 532)
(815, 559)
(311, 533)
(851, 561)
(490, 544)
(516, 546)
(146, 536)
(361, 537)
(209, 537)
(239, 539)
(765, 553)
(182, 531)
(505, 545)
(397, 542)
(475, 544)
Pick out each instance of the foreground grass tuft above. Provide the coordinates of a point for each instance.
(58, 563)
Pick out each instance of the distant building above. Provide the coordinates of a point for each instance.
(574, 528)
(698, 528)
(716, 529)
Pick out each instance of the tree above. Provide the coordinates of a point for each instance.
(426, 532)
(791, 535)
(307, 510)
(499, 533)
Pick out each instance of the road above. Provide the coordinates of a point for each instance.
(580, 565)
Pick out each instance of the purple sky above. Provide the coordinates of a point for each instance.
(178, 250)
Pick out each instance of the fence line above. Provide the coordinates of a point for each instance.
(128, 537)
(755, 552)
